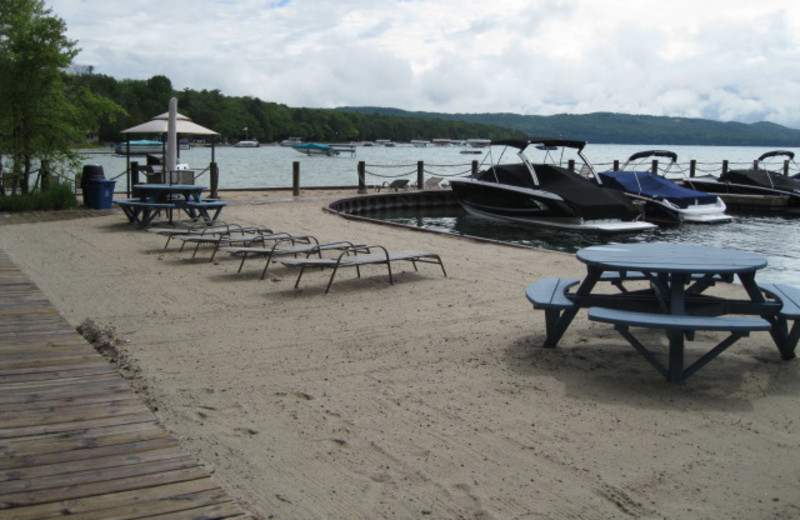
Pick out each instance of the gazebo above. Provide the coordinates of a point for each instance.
(172, 124)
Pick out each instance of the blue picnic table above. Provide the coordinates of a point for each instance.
(150, 199)
(675, 301)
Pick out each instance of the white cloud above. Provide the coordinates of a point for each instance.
(731, 60)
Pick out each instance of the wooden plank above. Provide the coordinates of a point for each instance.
(97, 369)
(77, 425)
(44, 461)
(63, 477)
(54, 447)
(129, 504)
(76, 489)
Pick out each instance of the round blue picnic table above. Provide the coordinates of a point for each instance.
(657, 257)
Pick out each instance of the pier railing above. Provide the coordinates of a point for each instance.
(383, 174)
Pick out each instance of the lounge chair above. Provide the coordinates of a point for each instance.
(357, 256)
(195, 227)
(213, 235)
(395, 185)
(432, 183)
(290, 246)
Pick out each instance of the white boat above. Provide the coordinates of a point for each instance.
(141, 147)
(478, 143)
(247, 143)
(291, 141)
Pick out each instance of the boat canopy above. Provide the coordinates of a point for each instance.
(543, 141)
(580, 193)
(777, 153)
(650, 184)
(761, 178)
(654, 153)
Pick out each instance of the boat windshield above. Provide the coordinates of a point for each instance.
(553, 152)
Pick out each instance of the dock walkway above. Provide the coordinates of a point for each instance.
(74, 438)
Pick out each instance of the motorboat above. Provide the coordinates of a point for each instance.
(140, 147)
(291, 141)
(541, 191)
(755, 181)
(324, 149)
(664, 201)
(247, 143)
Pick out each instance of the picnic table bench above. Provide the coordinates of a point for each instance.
(789, 298)
(677, 326)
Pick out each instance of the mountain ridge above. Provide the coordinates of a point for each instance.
(618, 128)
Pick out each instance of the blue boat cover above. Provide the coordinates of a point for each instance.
(652, 185)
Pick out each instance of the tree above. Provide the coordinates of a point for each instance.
(42, 114)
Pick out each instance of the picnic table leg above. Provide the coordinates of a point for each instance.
(556, 324)
(784, 339)
(676, 351)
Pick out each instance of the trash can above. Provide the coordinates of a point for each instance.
(99, 193)
(90, 172)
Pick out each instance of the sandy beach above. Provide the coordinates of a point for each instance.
(429, 398)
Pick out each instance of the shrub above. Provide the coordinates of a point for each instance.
(57, 196)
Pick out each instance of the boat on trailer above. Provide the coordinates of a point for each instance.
(758, 181)
(664, 201)
(541, 191)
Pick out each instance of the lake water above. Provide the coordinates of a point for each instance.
(775, 237)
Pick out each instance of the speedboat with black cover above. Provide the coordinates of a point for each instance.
(543, 192)
(758, 180)
(664, 201)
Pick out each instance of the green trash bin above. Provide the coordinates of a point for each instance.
(99, 193)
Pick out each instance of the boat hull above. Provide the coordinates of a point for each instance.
(712, 184)
(664, 213)
(139, 148)
(531, 206)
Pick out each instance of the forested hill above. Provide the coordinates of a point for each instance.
(611, 128)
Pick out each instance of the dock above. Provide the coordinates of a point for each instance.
(74, 438)
(747, 202)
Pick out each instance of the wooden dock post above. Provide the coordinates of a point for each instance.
(296, 178)
(214, 173)
(362, 184)
(420, 174)
(692, 167)
(474, 167)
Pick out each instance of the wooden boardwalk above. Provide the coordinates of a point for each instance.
(74, 438)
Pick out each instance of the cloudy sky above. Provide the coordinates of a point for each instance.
(731, 60)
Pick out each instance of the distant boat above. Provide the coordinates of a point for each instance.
(479, 143)
(247, 143)
(141, 147)
(324, 149)
(291, 141)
